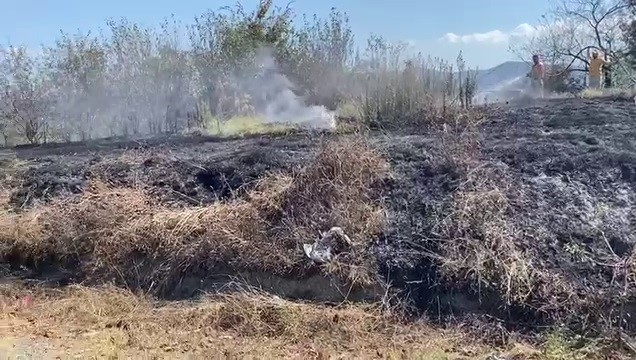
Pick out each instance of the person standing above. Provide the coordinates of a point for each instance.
(596, 69)
(537, 75)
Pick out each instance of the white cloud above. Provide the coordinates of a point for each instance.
(525, 30)
(492, 37)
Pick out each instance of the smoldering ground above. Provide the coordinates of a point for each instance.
(525, 219)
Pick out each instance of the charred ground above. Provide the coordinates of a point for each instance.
(525, 214)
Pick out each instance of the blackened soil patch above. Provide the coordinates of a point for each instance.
(182, 174)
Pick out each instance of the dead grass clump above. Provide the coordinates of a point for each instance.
(113, 321)
(67, 229)
(124, 234)
(5, 198)
(479, 247)
(460, 143)
(8, 170)
(482, 246)
(611, 93)
(337, 190)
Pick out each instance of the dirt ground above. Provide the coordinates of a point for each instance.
(561, 173)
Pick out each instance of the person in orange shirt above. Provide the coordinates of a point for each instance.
(596, 68)
(537, 75)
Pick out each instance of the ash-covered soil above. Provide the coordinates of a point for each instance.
(180, 173)
(566, 167)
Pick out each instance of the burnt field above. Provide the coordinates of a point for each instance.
(525, 215)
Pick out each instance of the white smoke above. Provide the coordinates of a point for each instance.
(518, 87)
(281, 105)
(516, 90)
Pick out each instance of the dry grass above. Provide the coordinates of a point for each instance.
(484, 252)
(478, 245)
(482, 248)
(108, 322)
(113, 323)
(616, 93)
(246, 125)
(8, 171)
(124, 234)
(5, 197)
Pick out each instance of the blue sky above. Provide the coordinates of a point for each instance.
(481, 28)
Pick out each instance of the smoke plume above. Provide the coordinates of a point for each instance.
(279, 104)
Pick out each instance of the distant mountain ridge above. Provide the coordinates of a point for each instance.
(502, 82)
(500, 75)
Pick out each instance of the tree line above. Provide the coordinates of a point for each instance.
(131, 80)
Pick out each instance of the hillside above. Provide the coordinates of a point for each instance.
(525, 220)
(502, 82)
(504, 73)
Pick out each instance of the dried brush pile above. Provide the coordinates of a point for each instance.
(125, 235)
